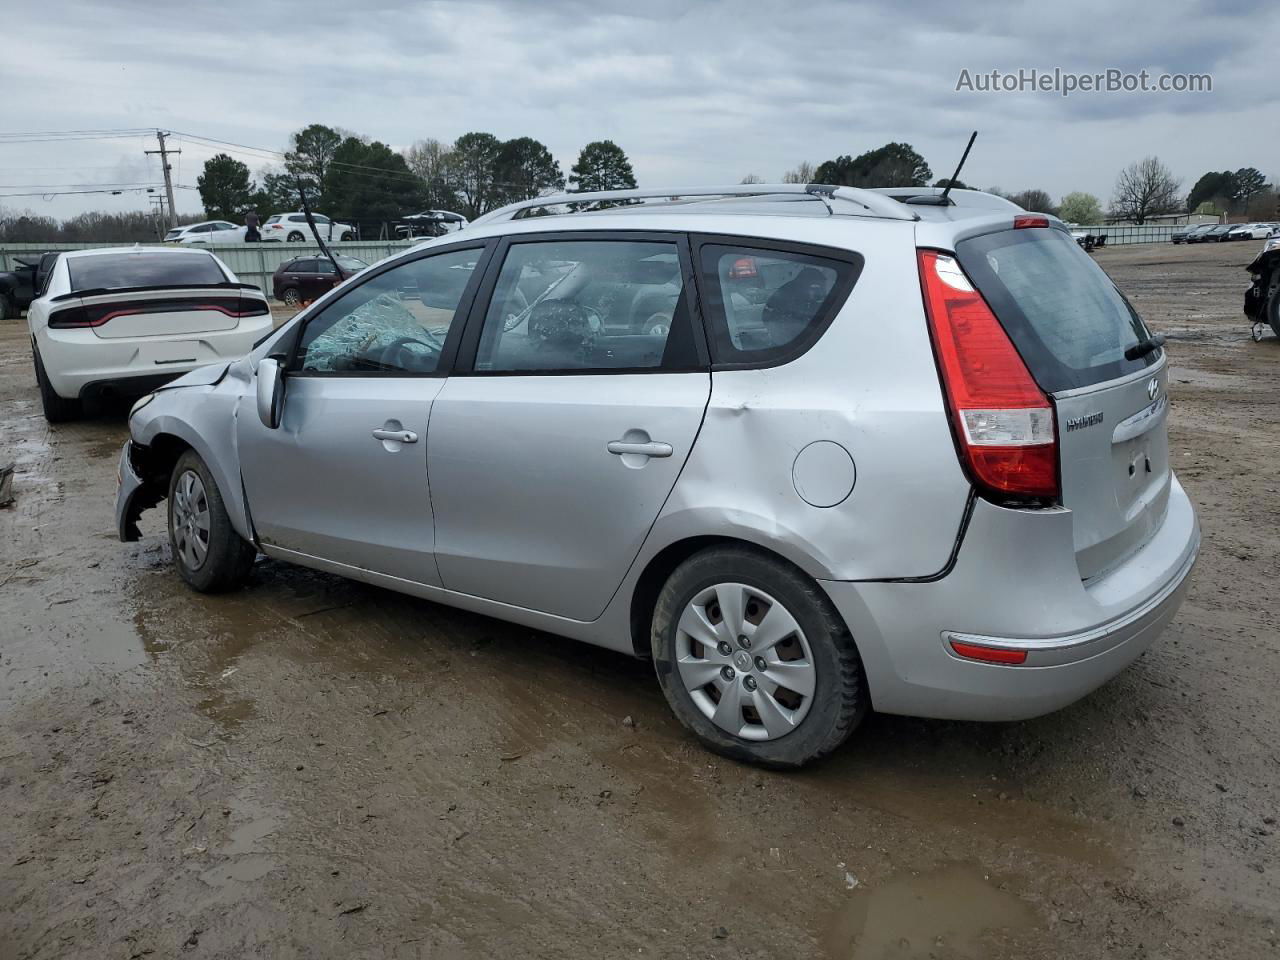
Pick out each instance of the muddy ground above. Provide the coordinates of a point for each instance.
(317, 768)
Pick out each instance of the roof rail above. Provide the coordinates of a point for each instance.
(871, 204)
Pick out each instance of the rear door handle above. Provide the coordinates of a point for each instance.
(400, 436)
(651, 449)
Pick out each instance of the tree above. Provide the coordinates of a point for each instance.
(602, 165)
(224, 187)
(1248, 181)
(953, 184)
(893, 165)
(801, 173)
(475, 162)
(1080, 207)
(277, 192)
(526, 169)
(369, 181)
(1145, 189)
(1035, 200)
(311, 151)
(432, 160)
(1264, 205)
(752, 178)
(1216, 188)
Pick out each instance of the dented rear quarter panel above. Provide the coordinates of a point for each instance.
(870, 385)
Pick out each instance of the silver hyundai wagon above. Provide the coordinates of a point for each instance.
(813, 450)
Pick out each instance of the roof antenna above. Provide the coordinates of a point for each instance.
(952, 182)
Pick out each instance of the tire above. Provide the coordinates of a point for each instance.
(1273, 312)
(291, 296)
(345, 237)
(212, 558)
(818, 647)
(7, 310)
(56, 409)
(296, 237)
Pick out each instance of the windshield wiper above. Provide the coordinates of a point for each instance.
(1143, 347)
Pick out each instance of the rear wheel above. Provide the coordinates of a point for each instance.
(1273, 312)
(208, 552)
(754, 659)
(56, 409)
(296, 237)
(345, 237)
(7, 311)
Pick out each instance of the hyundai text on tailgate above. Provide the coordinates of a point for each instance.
(811, 450)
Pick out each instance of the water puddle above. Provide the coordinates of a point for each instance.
(955, 911)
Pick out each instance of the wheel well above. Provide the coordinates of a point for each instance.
(155, 462)
(655, 575)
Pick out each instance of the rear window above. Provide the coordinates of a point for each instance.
(117, 270)
(275, 219)
(767, 306)
(1062, 312)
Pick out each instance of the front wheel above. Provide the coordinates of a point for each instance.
(345, 237)
(208, 552)
(754, 659)
(1273, 312)
(7, 311)
(291, 297)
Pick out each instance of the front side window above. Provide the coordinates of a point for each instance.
(396, 323)
(582, 305)
(768, 306)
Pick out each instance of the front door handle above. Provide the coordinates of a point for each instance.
(650, 449)
(399, 436)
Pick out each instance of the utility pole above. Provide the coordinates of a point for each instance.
(168, 174)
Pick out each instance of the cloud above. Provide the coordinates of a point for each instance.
(696, 93)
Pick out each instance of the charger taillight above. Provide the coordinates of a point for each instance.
(1003, 422)
(1023, 221)
(67, 318)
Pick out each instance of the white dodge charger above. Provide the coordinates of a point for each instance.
(125, 320)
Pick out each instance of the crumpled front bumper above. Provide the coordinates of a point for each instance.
(133, 495)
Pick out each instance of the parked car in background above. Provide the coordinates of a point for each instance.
(430, 223)
(1262, 299)
(309, 277)
(1215, 234)
(795, 514)
(211, 231)
(1196, 233)
(1251, 231)
(293, 228)
(1180, 236)
(124, 320)
(22, 284)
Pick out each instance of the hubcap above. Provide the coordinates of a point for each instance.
(190, 519)
(745, 661)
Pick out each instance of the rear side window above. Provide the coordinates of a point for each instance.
(118, 270)
(767, 306)
(302, 266)
(1067, 319)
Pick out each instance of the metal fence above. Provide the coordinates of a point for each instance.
(251, 262)
(1119, 235)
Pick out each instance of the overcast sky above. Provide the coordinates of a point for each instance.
(695, 92)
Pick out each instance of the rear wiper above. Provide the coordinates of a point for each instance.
(1143, 347)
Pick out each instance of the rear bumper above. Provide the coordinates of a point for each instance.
(79, 363)
(1015, 585)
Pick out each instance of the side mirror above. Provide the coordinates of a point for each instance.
(270, 392)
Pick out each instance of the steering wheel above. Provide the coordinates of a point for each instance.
(394, 353)
(564, 322)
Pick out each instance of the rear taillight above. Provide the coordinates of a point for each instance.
(1003, 422)
(69, 317)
